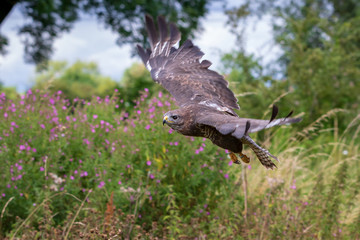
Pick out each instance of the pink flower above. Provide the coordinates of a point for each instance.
(101, 184)
(152, 109)
(95, 116)
(226, 176)
(147, 127)
(42, 169)
(230, 163)
(148, 163)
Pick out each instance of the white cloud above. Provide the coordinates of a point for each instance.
(215, 39)
(90, 42)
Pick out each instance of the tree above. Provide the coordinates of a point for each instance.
(136, 79)
(82, 80)
(321, 44)
(10, 92)
(50, 18)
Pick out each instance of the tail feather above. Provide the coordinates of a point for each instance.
(258, 125)
(275, 111)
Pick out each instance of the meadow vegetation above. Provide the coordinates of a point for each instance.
(92, 169)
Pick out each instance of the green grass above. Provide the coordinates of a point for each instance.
(89, 169)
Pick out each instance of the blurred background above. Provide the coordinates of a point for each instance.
(81, 114)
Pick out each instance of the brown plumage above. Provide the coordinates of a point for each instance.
(206, 103)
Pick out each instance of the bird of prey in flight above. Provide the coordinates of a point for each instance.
(206, 104)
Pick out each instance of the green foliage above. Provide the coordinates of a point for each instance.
(81, 80)
(320, 60)
(324, 77)
(135, 79)
(10, 92)
(87, 169)
(48, 19)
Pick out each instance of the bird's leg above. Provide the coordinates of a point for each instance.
(234, 158)
(244, 158)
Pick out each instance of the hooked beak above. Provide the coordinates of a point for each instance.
(165, 119)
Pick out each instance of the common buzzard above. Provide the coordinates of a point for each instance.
(206, 103)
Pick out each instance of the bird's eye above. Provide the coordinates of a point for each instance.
(175, 117)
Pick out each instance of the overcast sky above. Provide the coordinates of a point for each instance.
(90, 41)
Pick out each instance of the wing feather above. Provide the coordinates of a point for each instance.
(180, 71)
(153, 35)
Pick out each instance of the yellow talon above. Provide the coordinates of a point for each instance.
(244, 158)
(234, 158)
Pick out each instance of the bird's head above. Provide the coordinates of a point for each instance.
(173, 119)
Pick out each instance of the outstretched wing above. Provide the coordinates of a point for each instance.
(180, 71)
(239, 127)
